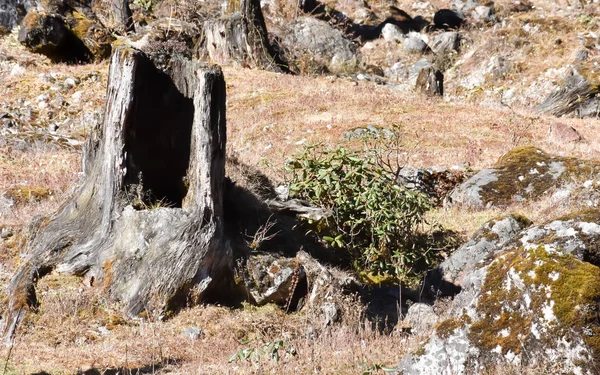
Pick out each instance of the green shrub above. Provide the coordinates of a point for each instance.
(373, 218)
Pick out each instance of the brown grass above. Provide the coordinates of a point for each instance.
(270, 116)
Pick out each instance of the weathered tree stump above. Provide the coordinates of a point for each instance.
(146, 224)
(122, 16)
(241, 38)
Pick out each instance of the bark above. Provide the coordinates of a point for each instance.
(242, 38)
(122, 15)
(146, 224)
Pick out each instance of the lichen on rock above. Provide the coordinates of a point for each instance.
(523, 173)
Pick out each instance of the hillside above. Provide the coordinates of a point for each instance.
(497, 82)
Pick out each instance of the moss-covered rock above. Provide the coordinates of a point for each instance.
(523, 173)
(534, 305)
(65, 34)
(445, 280)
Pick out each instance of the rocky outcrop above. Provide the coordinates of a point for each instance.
(577, 97)
(523, 173)
(531, 303)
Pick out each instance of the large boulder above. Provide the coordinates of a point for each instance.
(447, 278)
(532, 305)
(315, 44)
(72, 38)
(523, 173)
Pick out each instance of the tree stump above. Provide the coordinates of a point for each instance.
(242, 38)
(122, 16)
(146, 224)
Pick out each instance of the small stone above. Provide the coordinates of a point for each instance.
(392, 33)
(71, 82)
(17, 71)
(561, 133)
(331, 311)
(414, 43)
(421, 318)
(6, 232)
(192, 333)
(483, 13)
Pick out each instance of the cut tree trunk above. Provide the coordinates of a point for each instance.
(146, 225)
(242, 38)
(122, 16)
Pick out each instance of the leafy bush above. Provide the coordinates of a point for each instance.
(373, 218)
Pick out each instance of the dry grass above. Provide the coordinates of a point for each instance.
(270, 116)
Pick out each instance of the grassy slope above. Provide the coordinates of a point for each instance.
(268, 116)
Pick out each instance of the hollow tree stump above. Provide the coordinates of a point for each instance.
(146, 224)
(241, 38)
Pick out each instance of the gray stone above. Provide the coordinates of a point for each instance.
(12, 12)
(522, 294)
(415, 70)
(446, 42)
(421, 318)
(192, 333)
(483, 13)
(446, 279)
(414, 43)
(392, 33)
(325, 45)
(465, 5)
(269, 278)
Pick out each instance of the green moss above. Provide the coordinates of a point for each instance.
(448, 326)
(570, 287)
(21, 194)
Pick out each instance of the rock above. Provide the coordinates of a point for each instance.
(446, 42)
(522, 173)
(414, 43)
(533, 305)
(576, 97)
(446, 19)
(321, 44)
(561, 133)
(446, 279)
(420, 318)
(5, 232)
(520, 6)
(73, 35)
(483, 14)
(370, 131)
(331, 312)
(415, 70)
(12, 12)
(392, 33)
(192, 333)
(465, 6)
(435, 182)
(268, 278)
(430, 82)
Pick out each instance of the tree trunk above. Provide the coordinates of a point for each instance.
(122, 16)
(146, 225)
(242, 38)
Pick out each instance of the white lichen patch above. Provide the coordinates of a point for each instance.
(556, 169)
(589, 228)
(504, 333)
(532, 275)
(554, 275)
(534, 171)
(548, 311)
(534, 331)
(562, 229)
